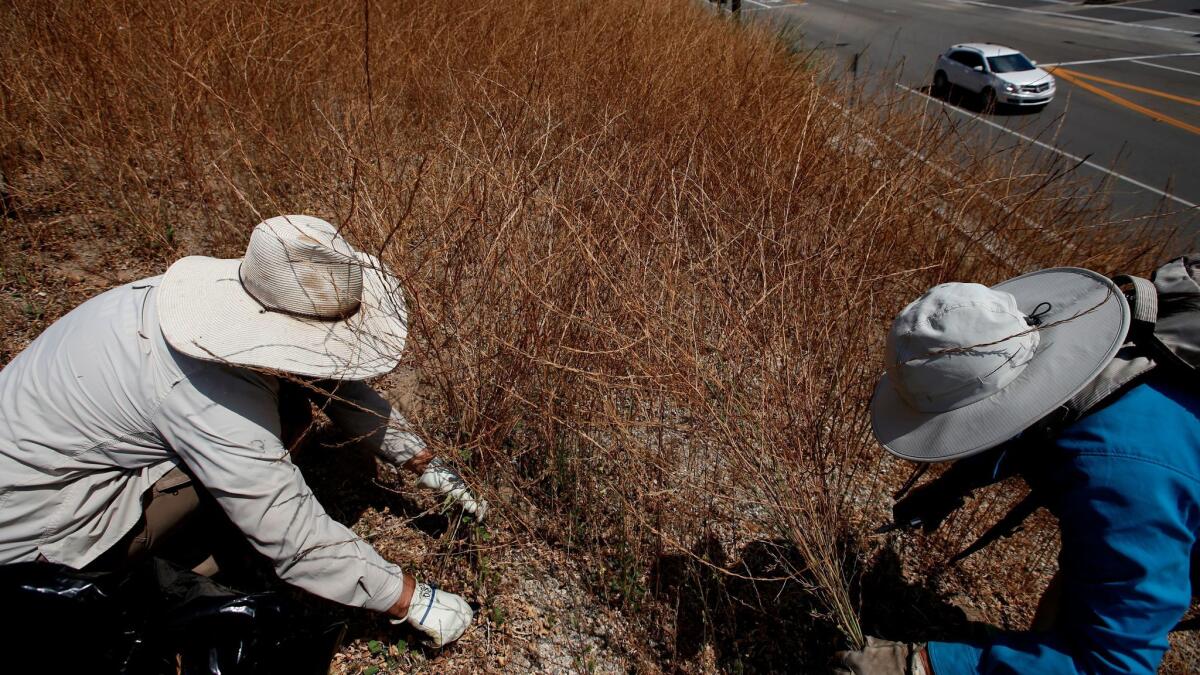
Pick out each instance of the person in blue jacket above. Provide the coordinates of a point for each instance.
(970, 367)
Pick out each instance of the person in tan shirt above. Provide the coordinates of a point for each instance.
(123, 411)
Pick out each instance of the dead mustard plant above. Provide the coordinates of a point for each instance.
(649, 256)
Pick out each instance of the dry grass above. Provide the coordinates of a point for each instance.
(649, 256)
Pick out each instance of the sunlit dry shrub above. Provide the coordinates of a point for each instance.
(649, 256)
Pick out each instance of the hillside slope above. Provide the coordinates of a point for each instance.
(649, 257)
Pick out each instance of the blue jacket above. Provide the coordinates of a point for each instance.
(1126, 490)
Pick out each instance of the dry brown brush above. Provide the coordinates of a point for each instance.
(649, 256)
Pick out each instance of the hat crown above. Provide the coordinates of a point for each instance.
(302, 266)
(958, 344)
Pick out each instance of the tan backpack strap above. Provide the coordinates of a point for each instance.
(1143, 301)
(1129, 363)
(1117, 375)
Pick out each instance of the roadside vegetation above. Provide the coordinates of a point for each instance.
(649, 258)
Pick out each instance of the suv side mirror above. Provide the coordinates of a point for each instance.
(978, 69)
(1033, 62)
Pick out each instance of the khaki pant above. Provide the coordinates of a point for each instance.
(181, 522)
(173, 526)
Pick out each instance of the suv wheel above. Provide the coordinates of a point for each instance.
(941, 86)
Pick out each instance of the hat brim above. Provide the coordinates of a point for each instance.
(205, 313)
(1069, 355)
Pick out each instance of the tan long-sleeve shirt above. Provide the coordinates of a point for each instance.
(99, 407)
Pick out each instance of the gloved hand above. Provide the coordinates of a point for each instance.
(883, 657)
(440, 615)
(438, 476)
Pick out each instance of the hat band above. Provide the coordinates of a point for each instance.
(303, 315)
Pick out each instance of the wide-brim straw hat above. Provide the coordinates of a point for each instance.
(302, 301)
(971, 367)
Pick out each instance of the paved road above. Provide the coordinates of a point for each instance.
(1129, 87)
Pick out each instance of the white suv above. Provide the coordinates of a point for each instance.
(998, 74)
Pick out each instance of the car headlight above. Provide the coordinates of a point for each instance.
(1010, 88)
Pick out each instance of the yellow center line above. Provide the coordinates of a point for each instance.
(1123, 85)
(1126, 103)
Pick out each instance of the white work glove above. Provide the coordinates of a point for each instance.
(440, 615)
(439, 477)
(883, 657)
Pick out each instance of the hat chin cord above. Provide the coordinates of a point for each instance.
(1035, 317)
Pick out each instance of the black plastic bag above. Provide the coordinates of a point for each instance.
(157, 619)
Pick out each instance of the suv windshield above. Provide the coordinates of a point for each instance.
(1009, 63)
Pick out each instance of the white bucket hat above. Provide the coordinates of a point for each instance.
(302, 301)
(969, 367)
